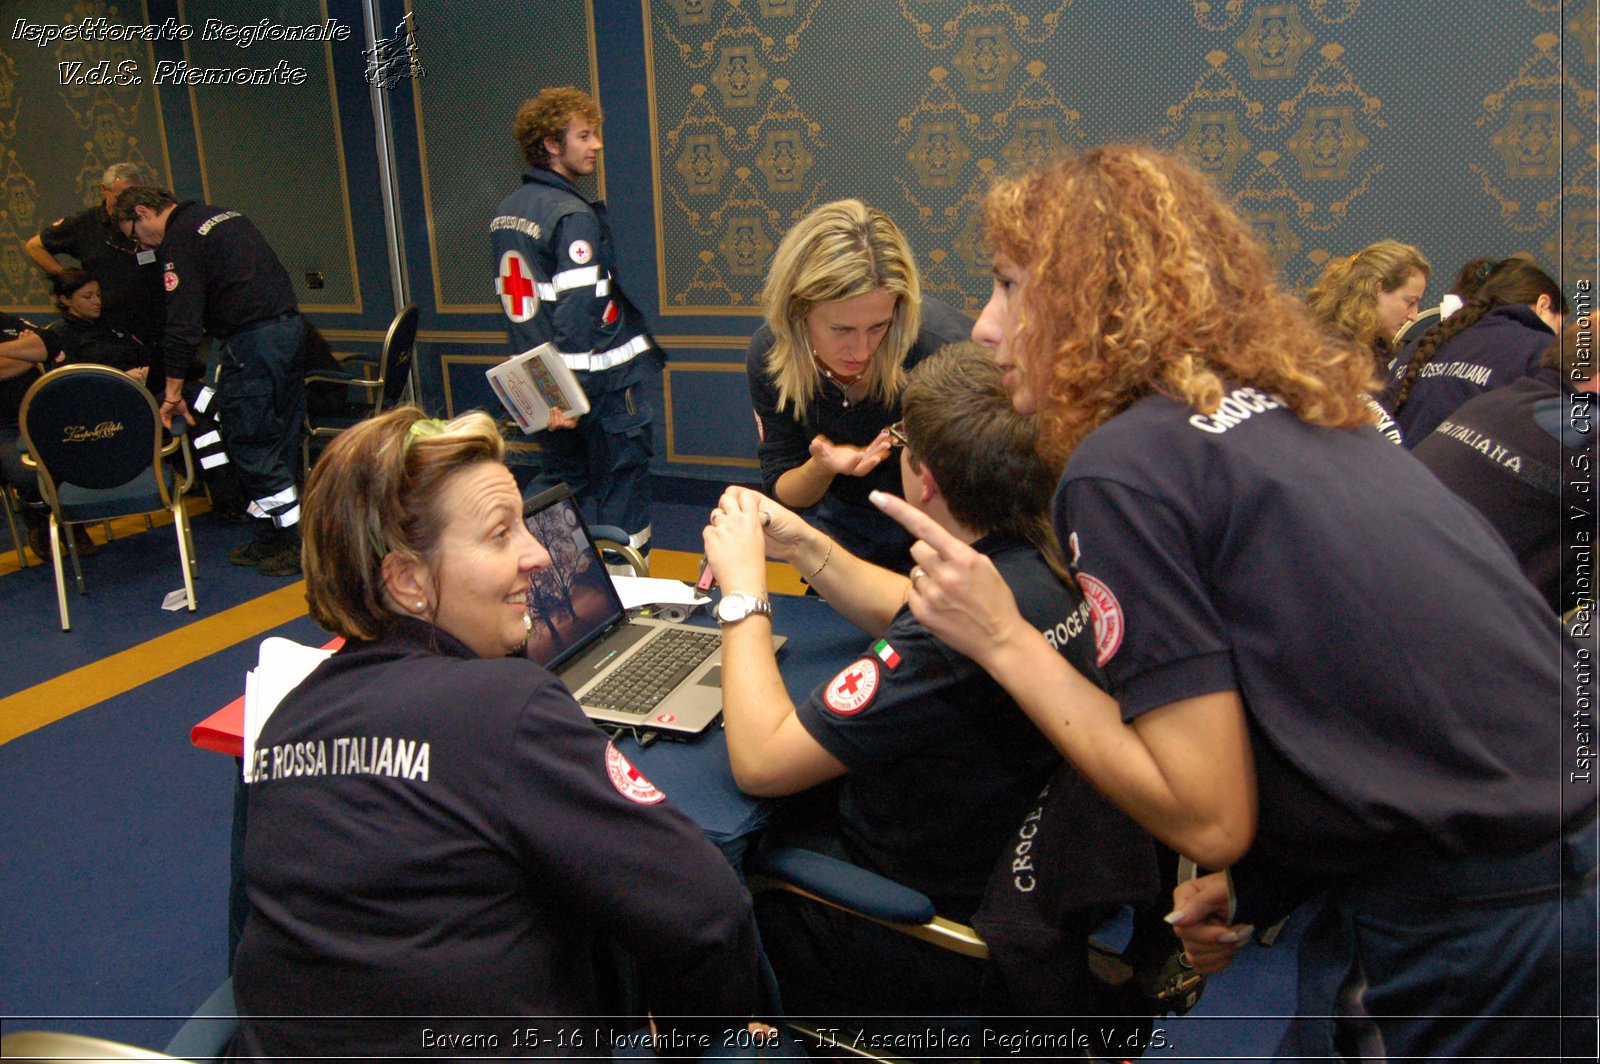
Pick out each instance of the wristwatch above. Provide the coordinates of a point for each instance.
(736, 606)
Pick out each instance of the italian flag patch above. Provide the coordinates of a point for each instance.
(886, 653)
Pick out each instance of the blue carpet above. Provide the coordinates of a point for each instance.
(114, 836)
(126, 581)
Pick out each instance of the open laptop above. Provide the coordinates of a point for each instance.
(639, 673)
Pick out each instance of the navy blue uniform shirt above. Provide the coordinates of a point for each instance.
(220, 275)
(943, 764)
(435, 835)
(1401, 678)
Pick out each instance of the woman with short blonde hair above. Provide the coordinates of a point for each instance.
(845, 320)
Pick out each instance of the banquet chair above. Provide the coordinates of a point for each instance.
(65, 1048)
(616, 549)
(13, 509)
(1425, 320)
(94, 435)
(377, 393)
(1110, 953)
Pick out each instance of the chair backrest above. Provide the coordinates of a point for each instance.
(394, 363)
(90, 426)
(1425, 320)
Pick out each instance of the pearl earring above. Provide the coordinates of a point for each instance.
(420, 604)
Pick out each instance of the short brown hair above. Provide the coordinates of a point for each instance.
(375, 490)
(548, 115)
(157, 199)
(962, 426)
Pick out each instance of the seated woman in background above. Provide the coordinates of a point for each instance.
(845, 320)
(1373, 714)
(1369, 296)
(84, 337)
(24, 347)
(1498, 336)
(436, 833)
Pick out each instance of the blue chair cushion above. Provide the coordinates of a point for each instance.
(140, 495)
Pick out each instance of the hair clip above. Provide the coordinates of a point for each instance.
(422, 429)
(1486, 269)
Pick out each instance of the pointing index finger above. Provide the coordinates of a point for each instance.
(916, 522)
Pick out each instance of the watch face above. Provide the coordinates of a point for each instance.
(737, 606)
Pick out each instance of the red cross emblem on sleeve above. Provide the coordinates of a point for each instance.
(852, 690)
(518, 295)
(629, 781)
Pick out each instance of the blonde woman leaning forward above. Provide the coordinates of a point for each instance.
(845, 321)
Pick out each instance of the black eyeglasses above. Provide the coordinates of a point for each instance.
(897, 433)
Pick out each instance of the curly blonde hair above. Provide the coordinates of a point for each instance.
(548, 115)
(839, 251)
(1346, 295)
(1140, 279)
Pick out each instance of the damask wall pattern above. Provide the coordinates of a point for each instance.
(1330, 123)
(56, 140)
(276, 149)
(478, 75)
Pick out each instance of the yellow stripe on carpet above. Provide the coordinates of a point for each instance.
(89, 685)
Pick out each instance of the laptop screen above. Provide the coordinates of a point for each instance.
(573, 600)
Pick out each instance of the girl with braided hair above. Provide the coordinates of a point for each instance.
(1495, 339)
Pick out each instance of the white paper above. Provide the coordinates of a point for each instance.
(249, 736)
(176, 600)
(280, 666)
(651, 590)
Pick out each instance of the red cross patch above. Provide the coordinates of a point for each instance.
(852, 690)
(580, 252)
(170, 279)
(629, 781)
(518, 295)
(1107, 614)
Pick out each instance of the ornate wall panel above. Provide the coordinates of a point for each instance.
(276, 152)
(57, 138)
(479, 70)
(1330, 123)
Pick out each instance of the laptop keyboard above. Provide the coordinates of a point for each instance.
(639, 684)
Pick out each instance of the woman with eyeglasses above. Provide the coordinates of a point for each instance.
(845, 320)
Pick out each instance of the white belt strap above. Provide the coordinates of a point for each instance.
(588, 362)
